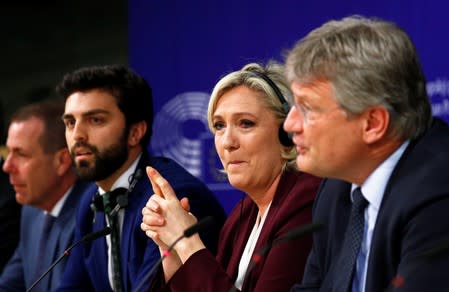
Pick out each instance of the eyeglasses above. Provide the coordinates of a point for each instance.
(313, 114)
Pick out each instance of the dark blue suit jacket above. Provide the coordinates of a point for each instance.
(87, 266)
(413, 218)
(19, 272)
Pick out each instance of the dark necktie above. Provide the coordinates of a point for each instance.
(352, 241)
(43, 253)
(110, 202)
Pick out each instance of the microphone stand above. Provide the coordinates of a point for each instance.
(439, 251)
(291, 235)
(202, 224)
(165, 254)
(87, 237)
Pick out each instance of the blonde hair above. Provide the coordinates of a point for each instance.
(246, 77)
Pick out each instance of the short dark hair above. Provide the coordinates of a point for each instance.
(49, 112)
(132, 93)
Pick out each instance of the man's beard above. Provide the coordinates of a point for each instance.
(105, 163)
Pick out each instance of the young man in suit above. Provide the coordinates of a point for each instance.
(363, 120)
(108, 118)
(40, 171)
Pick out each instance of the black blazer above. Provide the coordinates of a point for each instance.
(413, 219)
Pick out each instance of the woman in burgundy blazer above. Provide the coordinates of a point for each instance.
(246, 112)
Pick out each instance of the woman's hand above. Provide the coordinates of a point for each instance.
(165, 218)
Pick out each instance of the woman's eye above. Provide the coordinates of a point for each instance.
(218, 126)
(247, 123)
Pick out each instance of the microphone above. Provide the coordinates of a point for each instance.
(203, 224)
(299, 232)
(289, 236)
(122, 200)
(88, 237)
(442, 249)
(439, 251)
(294, 234)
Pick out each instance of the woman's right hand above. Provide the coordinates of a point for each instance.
(152, 219)
(165, 218)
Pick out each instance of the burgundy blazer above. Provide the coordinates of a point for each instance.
(280, 267)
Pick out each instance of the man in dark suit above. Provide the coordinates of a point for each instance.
(40, 171)
(108, 117)
(362, 119)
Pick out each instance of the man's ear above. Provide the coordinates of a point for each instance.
(377, 120)
(63, 161)
(136, 132)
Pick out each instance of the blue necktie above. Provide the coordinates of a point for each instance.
(352, 241)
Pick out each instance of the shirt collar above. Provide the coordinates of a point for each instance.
(374, 186)
(124, 180)
(58, 206)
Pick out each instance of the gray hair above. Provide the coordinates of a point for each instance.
(246, 77)
(368, 62)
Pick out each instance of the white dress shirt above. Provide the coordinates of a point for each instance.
(121, 182)
(249, 248)
(373, 190)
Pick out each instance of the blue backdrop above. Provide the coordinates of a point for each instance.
(183, 47)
